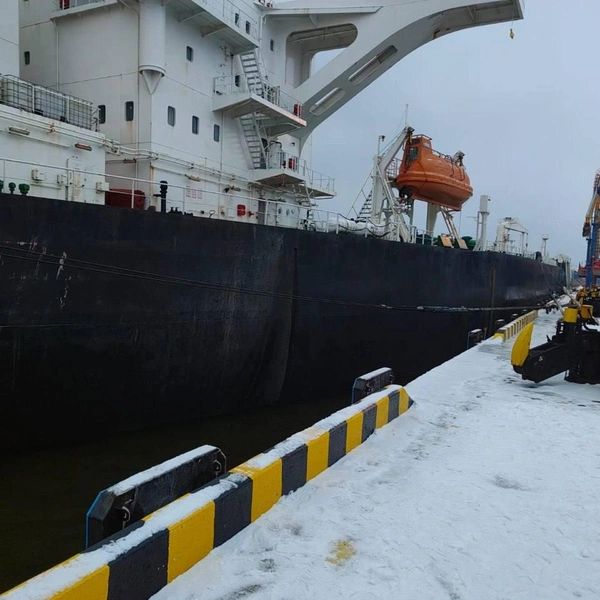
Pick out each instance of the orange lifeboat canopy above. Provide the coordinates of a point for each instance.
(427, 175)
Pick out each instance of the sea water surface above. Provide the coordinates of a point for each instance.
(46, 493)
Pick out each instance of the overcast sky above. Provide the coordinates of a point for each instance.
(525, 111)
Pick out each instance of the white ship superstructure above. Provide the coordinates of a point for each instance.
(9, 37)
(48, 140)
(216, 97)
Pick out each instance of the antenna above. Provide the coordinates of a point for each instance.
(545, 238)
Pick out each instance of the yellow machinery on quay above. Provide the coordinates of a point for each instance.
(574, 349)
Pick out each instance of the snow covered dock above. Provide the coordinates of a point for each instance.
(487, 488)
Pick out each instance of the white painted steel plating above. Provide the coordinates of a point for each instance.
(482, 218)
(68, 4)
(387, 31)
(9, 37)
(188, 126)
(504, 242)
(152, 42)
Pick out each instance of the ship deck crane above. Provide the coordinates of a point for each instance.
(504, 243)
(382, 206)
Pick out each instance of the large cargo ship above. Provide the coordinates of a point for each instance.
(162, 253)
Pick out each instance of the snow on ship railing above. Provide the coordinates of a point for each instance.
(294, 164)
(46, 102)
(240, 84)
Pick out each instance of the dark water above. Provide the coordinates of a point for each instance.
(45, 494)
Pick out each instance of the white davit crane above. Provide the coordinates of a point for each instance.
(504, 243)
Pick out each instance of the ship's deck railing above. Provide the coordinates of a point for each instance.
(393, 169)
(510, 249)
(240, 84)
(195, 202)
(422, 237)
(66, 4)
(47, 102)
(289, 162)
(232, 14)
(224, 10)
(227, 204)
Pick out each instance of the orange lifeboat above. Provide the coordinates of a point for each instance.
(433, 177)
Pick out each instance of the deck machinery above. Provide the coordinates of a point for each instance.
(574, 349)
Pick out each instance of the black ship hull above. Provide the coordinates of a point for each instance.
(114, 319)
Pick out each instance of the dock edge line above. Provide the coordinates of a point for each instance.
(138, 562)
(511, 329)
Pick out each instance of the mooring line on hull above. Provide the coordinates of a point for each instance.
(61, 261)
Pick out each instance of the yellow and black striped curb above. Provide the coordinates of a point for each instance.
(511, 329)
(144, 558)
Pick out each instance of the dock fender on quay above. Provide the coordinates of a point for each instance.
(511, 329)
(520, 349)
(142, 559)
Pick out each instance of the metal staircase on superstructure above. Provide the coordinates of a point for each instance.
(252, 70)
(449, 220)
(251, 123)
(364, 214)
(254, 143)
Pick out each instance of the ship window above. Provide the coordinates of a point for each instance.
(129, 110)
(189, 53)
(427, 144)
(272, 45)
(413, 153)
(217, 133)
(195, 125)
(27, 57)
(236, 80)
(102, 113)
(171, 116)
(237, 18)
(247, 26)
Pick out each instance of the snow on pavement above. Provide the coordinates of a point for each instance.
(488, 488)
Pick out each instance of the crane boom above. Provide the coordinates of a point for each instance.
(591, 226)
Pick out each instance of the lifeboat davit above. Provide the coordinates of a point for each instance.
(427, 175)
